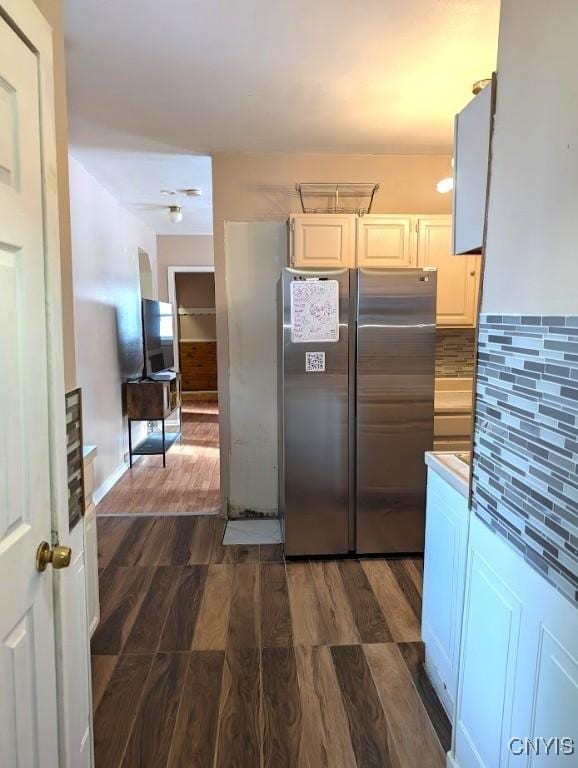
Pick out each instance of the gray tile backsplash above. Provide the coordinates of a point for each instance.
(525, 467)
(455, 352)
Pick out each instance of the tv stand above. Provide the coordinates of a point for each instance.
(154, 400)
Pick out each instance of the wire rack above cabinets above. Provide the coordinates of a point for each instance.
(341, 197)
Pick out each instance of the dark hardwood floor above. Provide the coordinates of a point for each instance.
(229, 656)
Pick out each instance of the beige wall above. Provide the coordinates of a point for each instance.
(53, 12)
(106, 239)
(531, 253)
(249, 187)
(181, 251)
(195, 290)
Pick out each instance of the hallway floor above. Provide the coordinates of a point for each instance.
(228, 656)
(190, 482)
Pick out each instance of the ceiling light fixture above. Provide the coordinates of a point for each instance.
(188, 191)
(445, 185)
(175, 214)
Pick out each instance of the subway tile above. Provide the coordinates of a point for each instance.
(525, 466)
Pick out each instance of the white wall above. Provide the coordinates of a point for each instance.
(254, 256)
(531, 253)
(181, 251)
(105, 255)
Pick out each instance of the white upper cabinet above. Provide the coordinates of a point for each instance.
(384, 241)
(471, 162)
(322, 240)
(457, 278)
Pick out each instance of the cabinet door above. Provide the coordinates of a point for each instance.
(458, 279)
(384, 241)
(444, 576)
(472, 150)
(319, 240)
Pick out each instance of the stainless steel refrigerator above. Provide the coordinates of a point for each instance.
(356, 407)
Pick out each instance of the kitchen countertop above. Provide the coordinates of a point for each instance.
(453, 467)
(88, 452)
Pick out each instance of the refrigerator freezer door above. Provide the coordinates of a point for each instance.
(395, 403)
(314, 413)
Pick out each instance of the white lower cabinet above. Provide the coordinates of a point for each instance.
(518, 676)
(443, 589)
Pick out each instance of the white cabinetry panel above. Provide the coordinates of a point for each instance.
(319, 240)
(471, 149)
(488, 666)
(518, 661)
(443, 591)
(384, 241)
(457, 284)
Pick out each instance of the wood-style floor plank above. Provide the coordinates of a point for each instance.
(145, 633)
(401, 619)
(152, 733)
(190, 482)
(207, 535)
(326, 742)
(281, 708)
(271, 553)
(110, 533)
(410, 730)
(339, 627)
(366, 610)
(195, 733)
(307, 626)
(407, 585)
(122, 598)
(154, 544)
(177, 549)
(414, 567)
(179, 628)
(129, 551)
(367, 723)
(276, 630)
(117, 709)
(244, 612)
(232, 554)
(102, 668)
(239, 721)
(413, 655)
(213, 622)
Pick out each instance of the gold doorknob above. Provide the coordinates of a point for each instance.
(58, 557)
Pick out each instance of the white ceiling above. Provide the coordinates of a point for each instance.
(186, 77)
(135, 178)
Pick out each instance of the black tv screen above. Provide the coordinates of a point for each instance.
(157, 324)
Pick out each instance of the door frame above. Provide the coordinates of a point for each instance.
(172, 286)
(30, 25)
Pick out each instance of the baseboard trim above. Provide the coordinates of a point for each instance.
(111, 480)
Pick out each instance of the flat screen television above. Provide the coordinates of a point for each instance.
(157, 328)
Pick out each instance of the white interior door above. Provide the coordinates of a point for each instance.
(28, 699)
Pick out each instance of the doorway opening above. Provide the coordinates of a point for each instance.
(190, 483)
